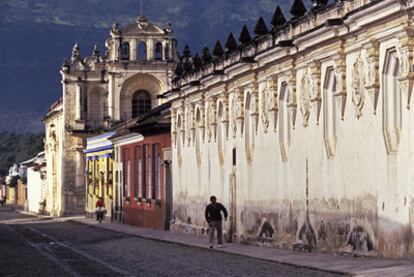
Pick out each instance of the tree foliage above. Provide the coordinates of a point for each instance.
(16, 148)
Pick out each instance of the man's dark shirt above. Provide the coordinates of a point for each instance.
(213, 212)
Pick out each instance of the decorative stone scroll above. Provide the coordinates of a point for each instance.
(265, 111)
(340, 91)
(315, 88)
(291, 83)
(183, 123)
(211, 119)
(173, 126)
(254, 106)
(305, 97)
(273, 100)
(200, 117)
(372, 72)
(406, 74)
(269, 103)
(225, 116)
(237, 111)
(358, 86)
(190, 123)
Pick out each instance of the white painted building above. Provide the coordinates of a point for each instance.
(36, 184)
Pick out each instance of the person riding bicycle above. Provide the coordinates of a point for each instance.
(100, 209)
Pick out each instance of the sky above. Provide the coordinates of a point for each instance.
(36, 35)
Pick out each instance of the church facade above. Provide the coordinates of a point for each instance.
(100, 92)
(302, 131)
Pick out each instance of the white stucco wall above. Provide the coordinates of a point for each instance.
(357, 191)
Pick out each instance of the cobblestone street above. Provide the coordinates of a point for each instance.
(31, 247)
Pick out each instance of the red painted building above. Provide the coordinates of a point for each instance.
(145, 173)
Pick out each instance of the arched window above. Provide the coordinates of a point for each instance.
(158, 51)
(285, 122)
(167, 52)
(330, 112)
(142, 52)
(392, 105)
(141, 103)
(125, 51)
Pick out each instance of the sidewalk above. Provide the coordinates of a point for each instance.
(322, 262)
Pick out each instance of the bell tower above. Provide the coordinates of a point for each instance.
(101, 91)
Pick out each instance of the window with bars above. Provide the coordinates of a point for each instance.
(125, 51)
(136, 171)
(141, 103)
(149, 175)
(142, 52)
(124, 172)
(153, 176)
(144, 170)
(158, 51)
(159, 164)
(140, 176)
(128, 179)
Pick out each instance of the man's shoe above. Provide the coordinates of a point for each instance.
(211, 246)
(220, 245)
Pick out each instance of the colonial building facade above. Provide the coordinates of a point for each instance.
(144, 171)
(304, 131)
(100, 172)
(99, 92)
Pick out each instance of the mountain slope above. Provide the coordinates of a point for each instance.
(36, 35)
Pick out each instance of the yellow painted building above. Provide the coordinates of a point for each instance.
(99, 173)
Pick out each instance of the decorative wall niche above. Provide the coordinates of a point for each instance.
(249, 129)
(330, 112)
(285, 121)
(392, 103)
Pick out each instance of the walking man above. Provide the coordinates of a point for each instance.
(214, 220)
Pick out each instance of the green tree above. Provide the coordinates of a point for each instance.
(18, 148)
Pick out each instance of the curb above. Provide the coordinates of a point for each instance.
(215, 250)
(35, 214)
